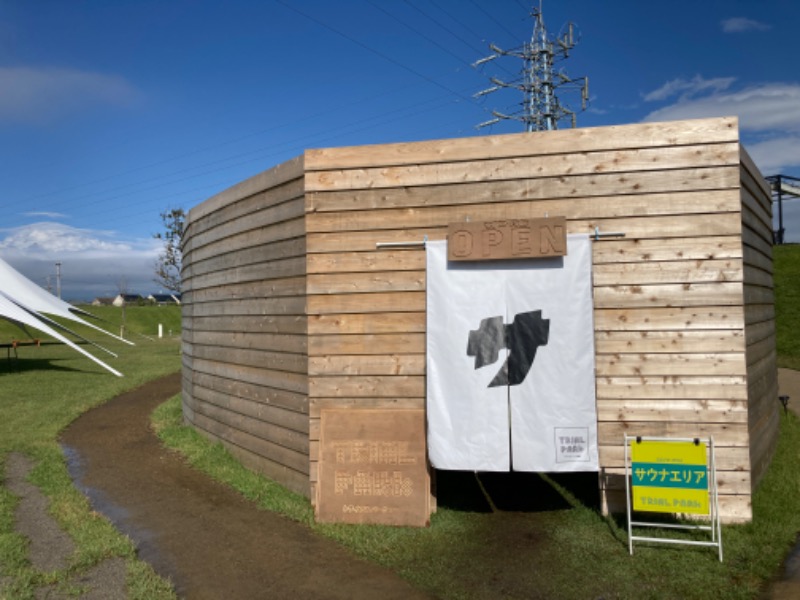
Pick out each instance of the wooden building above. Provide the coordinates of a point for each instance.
(289, 308)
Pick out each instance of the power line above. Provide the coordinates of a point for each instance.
(297, 146)
(237, 160)
(417, 32)
(442, 25)
(220, 185)
(374, 51)
(447, 29)
(345, 128)
(228, 142)
(490, 16)
(147, 166)
(459, 21)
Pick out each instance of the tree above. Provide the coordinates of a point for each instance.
(168, 263)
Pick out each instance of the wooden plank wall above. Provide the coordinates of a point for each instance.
(245, 379)
(759, 306)
(669, 311)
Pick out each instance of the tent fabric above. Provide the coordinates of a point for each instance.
(24, 292)
(13, 312)
(26, 304)
(59, 326)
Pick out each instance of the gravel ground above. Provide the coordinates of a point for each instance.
(49, 547)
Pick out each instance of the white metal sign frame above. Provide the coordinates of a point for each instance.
(714, 527)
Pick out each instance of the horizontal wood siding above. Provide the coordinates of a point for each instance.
(759, 306)
(289, 307)
(669, 296)
(245, 325)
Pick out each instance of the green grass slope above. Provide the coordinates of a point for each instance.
(139, 321)
(787, 304)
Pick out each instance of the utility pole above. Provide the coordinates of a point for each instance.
(58, 279)
(541, 108)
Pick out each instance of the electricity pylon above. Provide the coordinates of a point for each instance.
(541, 108)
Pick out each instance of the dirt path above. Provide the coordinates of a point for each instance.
(207, 539)
(214, 544)
(787, 584)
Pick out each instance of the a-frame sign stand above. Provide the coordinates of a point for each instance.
(672, 475)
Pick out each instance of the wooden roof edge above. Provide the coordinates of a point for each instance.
(562, 141)
(749, 164)
(272, 177)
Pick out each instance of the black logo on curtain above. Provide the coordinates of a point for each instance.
(522, 338)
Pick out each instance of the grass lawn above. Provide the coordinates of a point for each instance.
(565, 548)
(562, 549)
(138, 320)
(787, 304)
(40, 395)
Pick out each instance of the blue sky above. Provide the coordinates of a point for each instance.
(112, 112)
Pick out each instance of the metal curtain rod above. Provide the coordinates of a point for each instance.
(606, 234)
(414, 244)
(410, 244)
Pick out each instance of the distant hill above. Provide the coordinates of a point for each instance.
(143, 320)
(139, 320)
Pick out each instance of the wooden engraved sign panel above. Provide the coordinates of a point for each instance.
(508, 238)
(372, 467)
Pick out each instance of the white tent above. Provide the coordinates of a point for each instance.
(21, 290)
(26, 304)
(15, 313)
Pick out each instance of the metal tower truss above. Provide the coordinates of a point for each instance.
(541, 108)
(782, 185)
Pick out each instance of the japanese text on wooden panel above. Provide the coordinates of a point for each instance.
(373, 467)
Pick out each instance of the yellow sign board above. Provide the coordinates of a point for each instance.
(669, 476)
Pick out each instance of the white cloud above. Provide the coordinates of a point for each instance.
(769, 115)
(689, 88)
(776, 155)
(41, 94)
(742, 24)
(49, 239)
(765, 107)
(93, 263)
(46, 215)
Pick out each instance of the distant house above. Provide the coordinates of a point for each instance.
(123, 299)
(164, 298)
(103, 301)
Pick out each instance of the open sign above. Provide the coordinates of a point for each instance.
(507, 238)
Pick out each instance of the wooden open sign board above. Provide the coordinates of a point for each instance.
(373, 467)
(507, 238)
